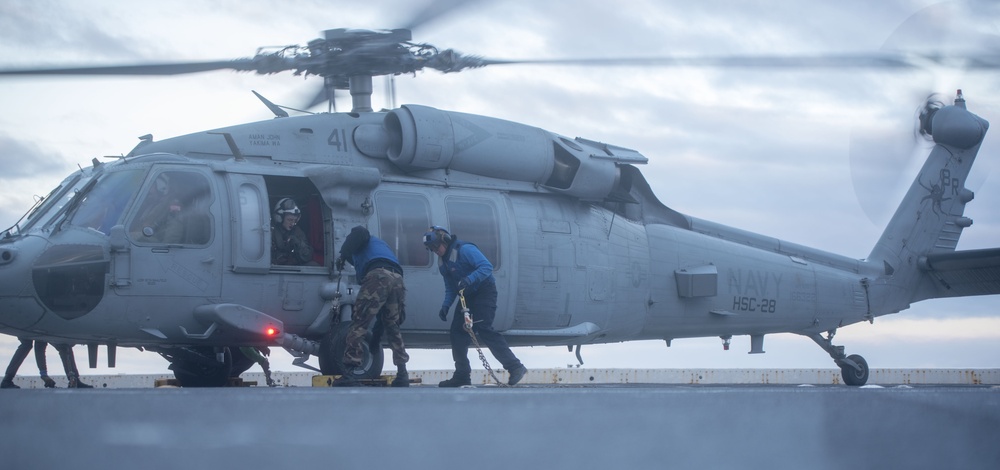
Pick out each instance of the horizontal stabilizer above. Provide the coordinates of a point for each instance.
(962, 273)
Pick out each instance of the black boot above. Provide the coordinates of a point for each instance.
(458, 380)
(347, 379)
(49, 383)
(8, 382)
(516, 374)
(74, 382)
(402, 377)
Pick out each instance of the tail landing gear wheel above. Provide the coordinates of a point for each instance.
(855, 376)
(852, 376)
(331, 355)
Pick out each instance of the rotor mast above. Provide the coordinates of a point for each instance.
(361, 93)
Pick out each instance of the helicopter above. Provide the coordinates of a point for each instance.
(595, 221)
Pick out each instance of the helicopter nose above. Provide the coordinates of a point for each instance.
(19, 306)
(70, 279)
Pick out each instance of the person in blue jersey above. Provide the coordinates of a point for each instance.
(382, 295)
(466, 270)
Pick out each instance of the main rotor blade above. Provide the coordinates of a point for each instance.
(140, 69)
(879, 60)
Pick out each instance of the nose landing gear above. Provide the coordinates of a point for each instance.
(334, 344)
(853, 368)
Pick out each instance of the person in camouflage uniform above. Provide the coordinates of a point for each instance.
(382, 295)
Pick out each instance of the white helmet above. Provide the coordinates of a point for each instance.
(286, 206)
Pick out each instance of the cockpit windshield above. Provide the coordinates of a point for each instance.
(100, 205)
(47, 207)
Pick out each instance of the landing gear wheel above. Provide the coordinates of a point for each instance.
(854, 376)
(329, 362)
(331, 355)
(200, 368)
(241, 363)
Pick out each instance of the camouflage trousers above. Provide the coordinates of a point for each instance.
(382, 295)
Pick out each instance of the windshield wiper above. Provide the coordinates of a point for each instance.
(73, 204)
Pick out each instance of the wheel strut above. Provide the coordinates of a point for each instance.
(853, 368)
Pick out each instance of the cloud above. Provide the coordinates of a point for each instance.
(70, 32)
(27, 160)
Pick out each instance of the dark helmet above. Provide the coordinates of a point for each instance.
(437, 236)
(362, 234)
(286, 206)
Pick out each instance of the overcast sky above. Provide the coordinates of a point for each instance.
(785, 153)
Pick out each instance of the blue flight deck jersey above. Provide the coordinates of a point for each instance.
(464, 261)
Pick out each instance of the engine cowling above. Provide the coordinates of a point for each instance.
(424, 138)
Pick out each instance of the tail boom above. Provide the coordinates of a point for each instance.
(930, 219)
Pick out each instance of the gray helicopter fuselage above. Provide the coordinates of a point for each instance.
(583, 251)
(569, 270)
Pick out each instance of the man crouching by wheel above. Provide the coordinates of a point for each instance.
(382, 295)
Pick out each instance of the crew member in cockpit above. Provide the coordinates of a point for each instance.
(159, 215)
(289, 245)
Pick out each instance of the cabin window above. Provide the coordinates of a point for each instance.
(403, 219)
(174, 210)
(475, 221)
(251, 225)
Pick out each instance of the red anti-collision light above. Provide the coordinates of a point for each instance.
(270, 331)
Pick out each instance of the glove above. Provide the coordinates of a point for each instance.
(340, 264)
(462, 284)
(443, 314)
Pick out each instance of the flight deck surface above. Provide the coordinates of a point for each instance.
(532, 426)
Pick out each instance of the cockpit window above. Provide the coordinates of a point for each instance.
(47, 207)
(99, 206)
(174, 209)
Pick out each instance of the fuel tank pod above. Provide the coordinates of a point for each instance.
(424, 138)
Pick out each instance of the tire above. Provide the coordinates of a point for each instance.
(200, 369)
(329, 362)
(241, 363)
(855, 377)
(331, 355)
